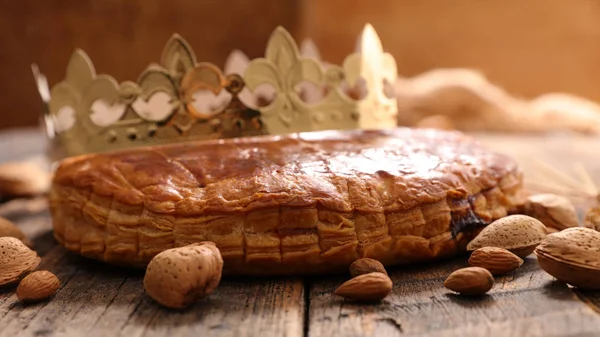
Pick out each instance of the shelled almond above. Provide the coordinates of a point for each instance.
(365, 266)
(470, 281)
(37, 286)
(496, 260)
(366, 287)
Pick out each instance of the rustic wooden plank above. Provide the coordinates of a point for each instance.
(591, 298)
(526, 302)
(100, 300)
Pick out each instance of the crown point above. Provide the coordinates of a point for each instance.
(368, 26)
(280, 29)
(41, 83)
(236, 62)
(80, 70)
(308, 48)
(281, 50)
(177, 55)
(281, 33)
(369, 41)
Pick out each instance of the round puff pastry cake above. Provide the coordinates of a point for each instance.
(296, 204)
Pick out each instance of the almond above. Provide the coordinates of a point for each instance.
(365, 266)
(496, 260)
(552, 210)
(178, 277)
(519, 234)
(366, 287)
(7, 228)
(16, 260)
(37, 286)
(23, 178)
(470, 281)
(572, 256)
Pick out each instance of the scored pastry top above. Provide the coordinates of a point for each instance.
(367, 171)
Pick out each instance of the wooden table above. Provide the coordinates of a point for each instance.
(100, 300)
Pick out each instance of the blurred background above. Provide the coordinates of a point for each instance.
(523, 76)
(528, 47)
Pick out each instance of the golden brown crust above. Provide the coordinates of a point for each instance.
(305, 203)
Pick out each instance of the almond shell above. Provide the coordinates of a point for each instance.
(519, 234)
(16, 260)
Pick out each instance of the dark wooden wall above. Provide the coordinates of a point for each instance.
(529, 47)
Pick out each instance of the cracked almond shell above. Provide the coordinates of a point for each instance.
(572, 256)
(16, 260)
(519, 234)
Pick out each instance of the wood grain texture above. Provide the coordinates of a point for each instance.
(99, 300)
(526, 302)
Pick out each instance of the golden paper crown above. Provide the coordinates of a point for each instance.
(88, 113)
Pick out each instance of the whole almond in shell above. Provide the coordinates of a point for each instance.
(7, 228)
(470, 281)
(496, 260)
(178, 277)
(23, 179)
(366, 287)
(37, 286)
(552, 210)
(519, 234)
(365, 266)
(572, 256)
(16, 260)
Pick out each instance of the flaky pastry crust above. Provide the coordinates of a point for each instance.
(295, 204)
